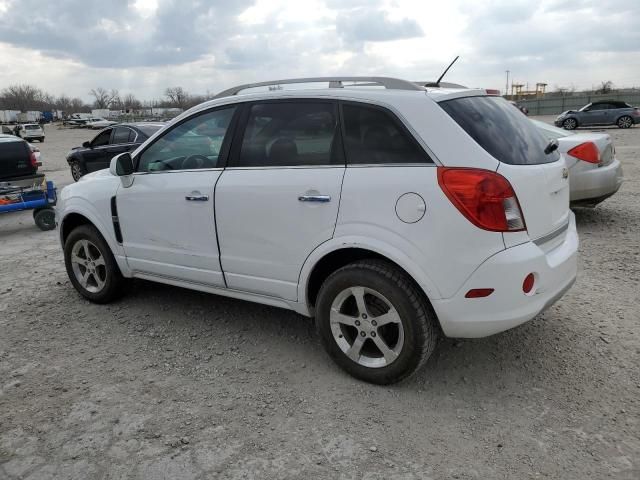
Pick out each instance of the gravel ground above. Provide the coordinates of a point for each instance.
(169, 383)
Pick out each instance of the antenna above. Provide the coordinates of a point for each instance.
(437, 83)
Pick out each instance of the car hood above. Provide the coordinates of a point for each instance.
(96, 175)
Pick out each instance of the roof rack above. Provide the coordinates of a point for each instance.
(334, 82)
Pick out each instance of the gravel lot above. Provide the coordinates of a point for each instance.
(169, 383)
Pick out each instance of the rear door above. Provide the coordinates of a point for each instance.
(540, 180)
(278, 198)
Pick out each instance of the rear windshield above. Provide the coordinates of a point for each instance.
(31, 127)
(503, 131)
(14, 159)
(149, 130)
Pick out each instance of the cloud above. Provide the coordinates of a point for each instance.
(366, 25)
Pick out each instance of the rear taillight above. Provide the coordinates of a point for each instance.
(636, 112)
(33, 160)
(485, 198)
(587, 152)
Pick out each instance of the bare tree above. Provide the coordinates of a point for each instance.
(605, 87)
(104, 98)
(177, 96)
(63, 103)
(21, 97)
(130, 102)
(77, 105)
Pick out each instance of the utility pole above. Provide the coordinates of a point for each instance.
(506, 88)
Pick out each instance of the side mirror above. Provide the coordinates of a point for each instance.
(86, 144)
(121, 165)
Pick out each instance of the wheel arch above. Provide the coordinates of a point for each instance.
(327, 259)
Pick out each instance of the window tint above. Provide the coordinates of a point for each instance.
(132, 136)
(599, 106)
(374, 136)
(102, 138)
(121, 135)
(193, 144)
(290, 134)
(500, 129)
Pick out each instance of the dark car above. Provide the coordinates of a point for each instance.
(97, 154)
(603, 112)
(18, 162)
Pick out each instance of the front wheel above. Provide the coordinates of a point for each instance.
(625, 122)
(374, 322)
(91, 267)
(77, 170)
(570, 124)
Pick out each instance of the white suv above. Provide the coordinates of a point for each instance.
(391, 215)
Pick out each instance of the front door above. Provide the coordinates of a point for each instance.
(167, 215)
(96, 156)
(278, 199)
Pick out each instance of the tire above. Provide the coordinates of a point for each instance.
(570, 124)
(102, 280)
(625, 122)
(410, 332)
(77, 170)
(45, 219)
(41, 139)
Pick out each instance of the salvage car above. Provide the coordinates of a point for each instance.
(19, 162)
(96, 123)
(97, 153)
(594, 171)
(603, 112)
(390, 215)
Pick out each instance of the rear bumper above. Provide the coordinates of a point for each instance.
(508, 306)
(595, 183)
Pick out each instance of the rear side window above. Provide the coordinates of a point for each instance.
(290, 134)
(373, 136)
(120, 135)
(503, 131)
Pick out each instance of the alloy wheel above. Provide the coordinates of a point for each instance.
(88, 266)
(366, 327)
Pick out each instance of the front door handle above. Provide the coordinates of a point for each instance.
(197, 197)
(315, 198)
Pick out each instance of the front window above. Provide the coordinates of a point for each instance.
(102, 138)
(194, 144)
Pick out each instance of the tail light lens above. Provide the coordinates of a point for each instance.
(587, 152)
(636, 112)
(485, 198)
(32, 159)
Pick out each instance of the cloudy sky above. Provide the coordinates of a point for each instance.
(143, 46)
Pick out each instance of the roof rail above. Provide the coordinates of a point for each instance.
(334, 82)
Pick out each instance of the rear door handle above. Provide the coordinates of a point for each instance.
(315, 198)
(197, 197)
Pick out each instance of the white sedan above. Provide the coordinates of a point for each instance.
(594, 171)
(99, 123)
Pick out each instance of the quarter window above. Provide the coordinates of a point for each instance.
(373, 136)
(290, 134)
(194, 144)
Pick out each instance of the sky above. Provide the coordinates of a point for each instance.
(144, 46)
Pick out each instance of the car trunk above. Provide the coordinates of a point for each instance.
(539, 179)
(15, 159)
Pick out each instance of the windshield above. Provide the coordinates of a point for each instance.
(503, 131)
(550, 131)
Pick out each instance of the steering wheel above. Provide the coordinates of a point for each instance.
(194, 162)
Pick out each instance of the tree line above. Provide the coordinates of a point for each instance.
(30, 97)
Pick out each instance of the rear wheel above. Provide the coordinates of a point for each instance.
(91, 267)
(625, 122)
(41, 139)
(570, 124)
(374, 322)
(77, 170)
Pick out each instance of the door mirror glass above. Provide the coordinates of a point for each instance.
(86, 144)
(121, 165)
